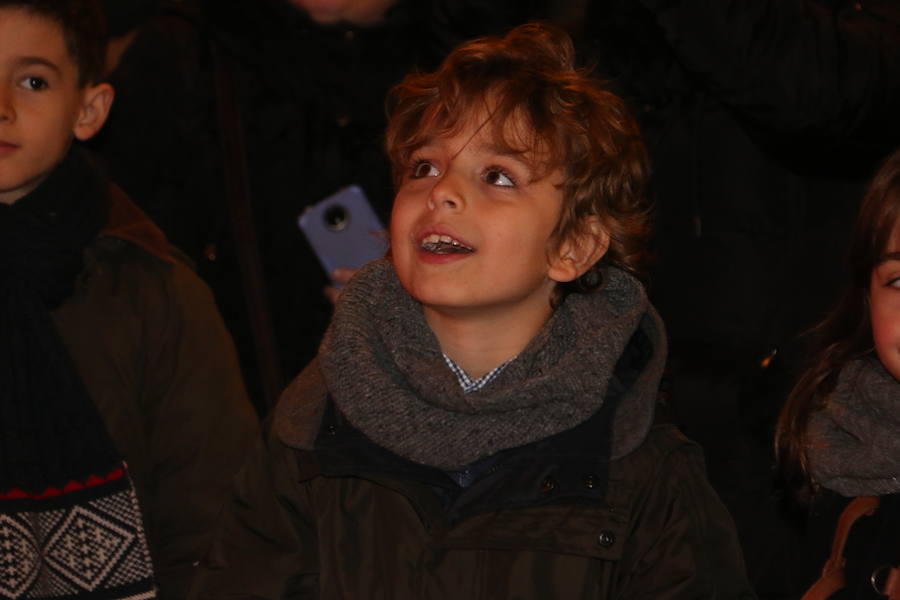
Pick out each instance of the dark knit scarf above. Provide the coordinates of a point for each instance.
(854, 441)
(70, 526)
(385, 371)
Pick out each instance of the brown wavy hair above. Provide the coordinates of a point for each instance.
(573, 124)
(846, 333)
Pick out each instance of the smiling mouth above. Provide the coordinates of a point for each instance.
(444, 244)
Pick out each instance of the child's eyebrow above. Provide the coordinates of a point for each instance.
(888, 257)
(30, 61)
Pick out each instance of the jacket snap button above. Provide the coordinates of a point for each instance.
(332, 430)
(590, 482)
(548, 486)
(606, 539)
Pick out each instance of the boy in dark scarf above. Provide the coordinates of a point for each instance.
(479, 422)
(87, 284)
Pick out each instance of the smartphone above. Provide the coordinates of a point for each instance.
(343, 230)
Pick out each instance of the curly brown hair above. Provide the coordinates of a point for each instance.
(573, 124)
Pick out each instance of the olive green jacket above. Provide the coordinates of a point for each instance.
(146, 337)
(299, 529)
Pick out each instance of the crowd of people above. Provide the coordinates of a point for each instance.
(627, 340)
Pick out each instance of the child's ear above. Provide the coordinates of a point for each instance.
(95, 105)
(580, 251)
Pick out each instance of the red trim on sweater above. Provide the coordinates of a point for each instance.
(72, 486)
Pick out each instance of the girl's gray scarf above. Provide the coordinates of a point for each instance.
(854, 441)
(384, 369)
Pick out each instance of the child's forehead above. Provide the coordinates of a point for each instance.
(22, 16)
(493, 133)
(30, 37)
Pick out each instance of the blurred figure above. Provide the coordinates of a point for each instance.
(363, 13)
(306, 80)
(763, 119)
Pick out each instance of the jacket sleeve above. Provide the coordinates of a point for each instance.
(197, 419)
(683, 542)
(265, 545)
(793, 66)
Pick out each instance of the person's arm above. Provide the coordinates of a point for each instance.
(265, 545)
(795, 67)
(197, 418)
(682, 542)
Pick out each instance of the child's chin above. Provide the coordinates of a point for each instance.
(438, 297)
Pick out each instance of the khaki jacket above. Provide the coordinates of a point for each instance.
(146, 337)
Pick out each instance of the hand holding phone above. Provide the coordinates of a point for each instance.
(344, 231)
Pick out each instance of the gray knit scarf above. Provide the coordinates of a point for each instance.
(384, 369)
(854, 441)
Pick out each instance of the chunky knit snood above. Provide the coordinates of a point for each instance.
(385, 371)
(854, 441)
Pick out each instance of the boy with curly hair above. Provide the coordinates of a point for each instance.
(479, 422)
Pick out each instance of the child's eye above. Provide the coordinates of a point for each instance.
(33, 83)
(894, 282)
(423, 168)
(499, 178)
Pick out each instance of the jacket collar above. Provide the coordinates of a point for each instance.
(128, 222)
(567, 468)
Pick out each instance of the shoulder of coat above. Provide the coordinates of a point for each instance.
(298, 413)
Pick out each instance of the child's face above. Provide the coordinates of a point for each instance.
(471, 228)
(41, 104)
(884, 304)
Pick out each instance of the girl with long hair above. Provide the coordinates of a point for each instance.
(839, 432)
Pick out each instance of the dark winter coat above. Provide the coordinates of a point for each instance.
(351, 521)
(870, 550)
(764, 119)
(149, 344)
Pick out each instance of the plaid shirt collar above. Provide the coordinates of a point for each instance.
(472, 385)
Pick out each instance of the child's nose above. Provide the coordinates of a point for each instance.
(7, 113)
(447, 194)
